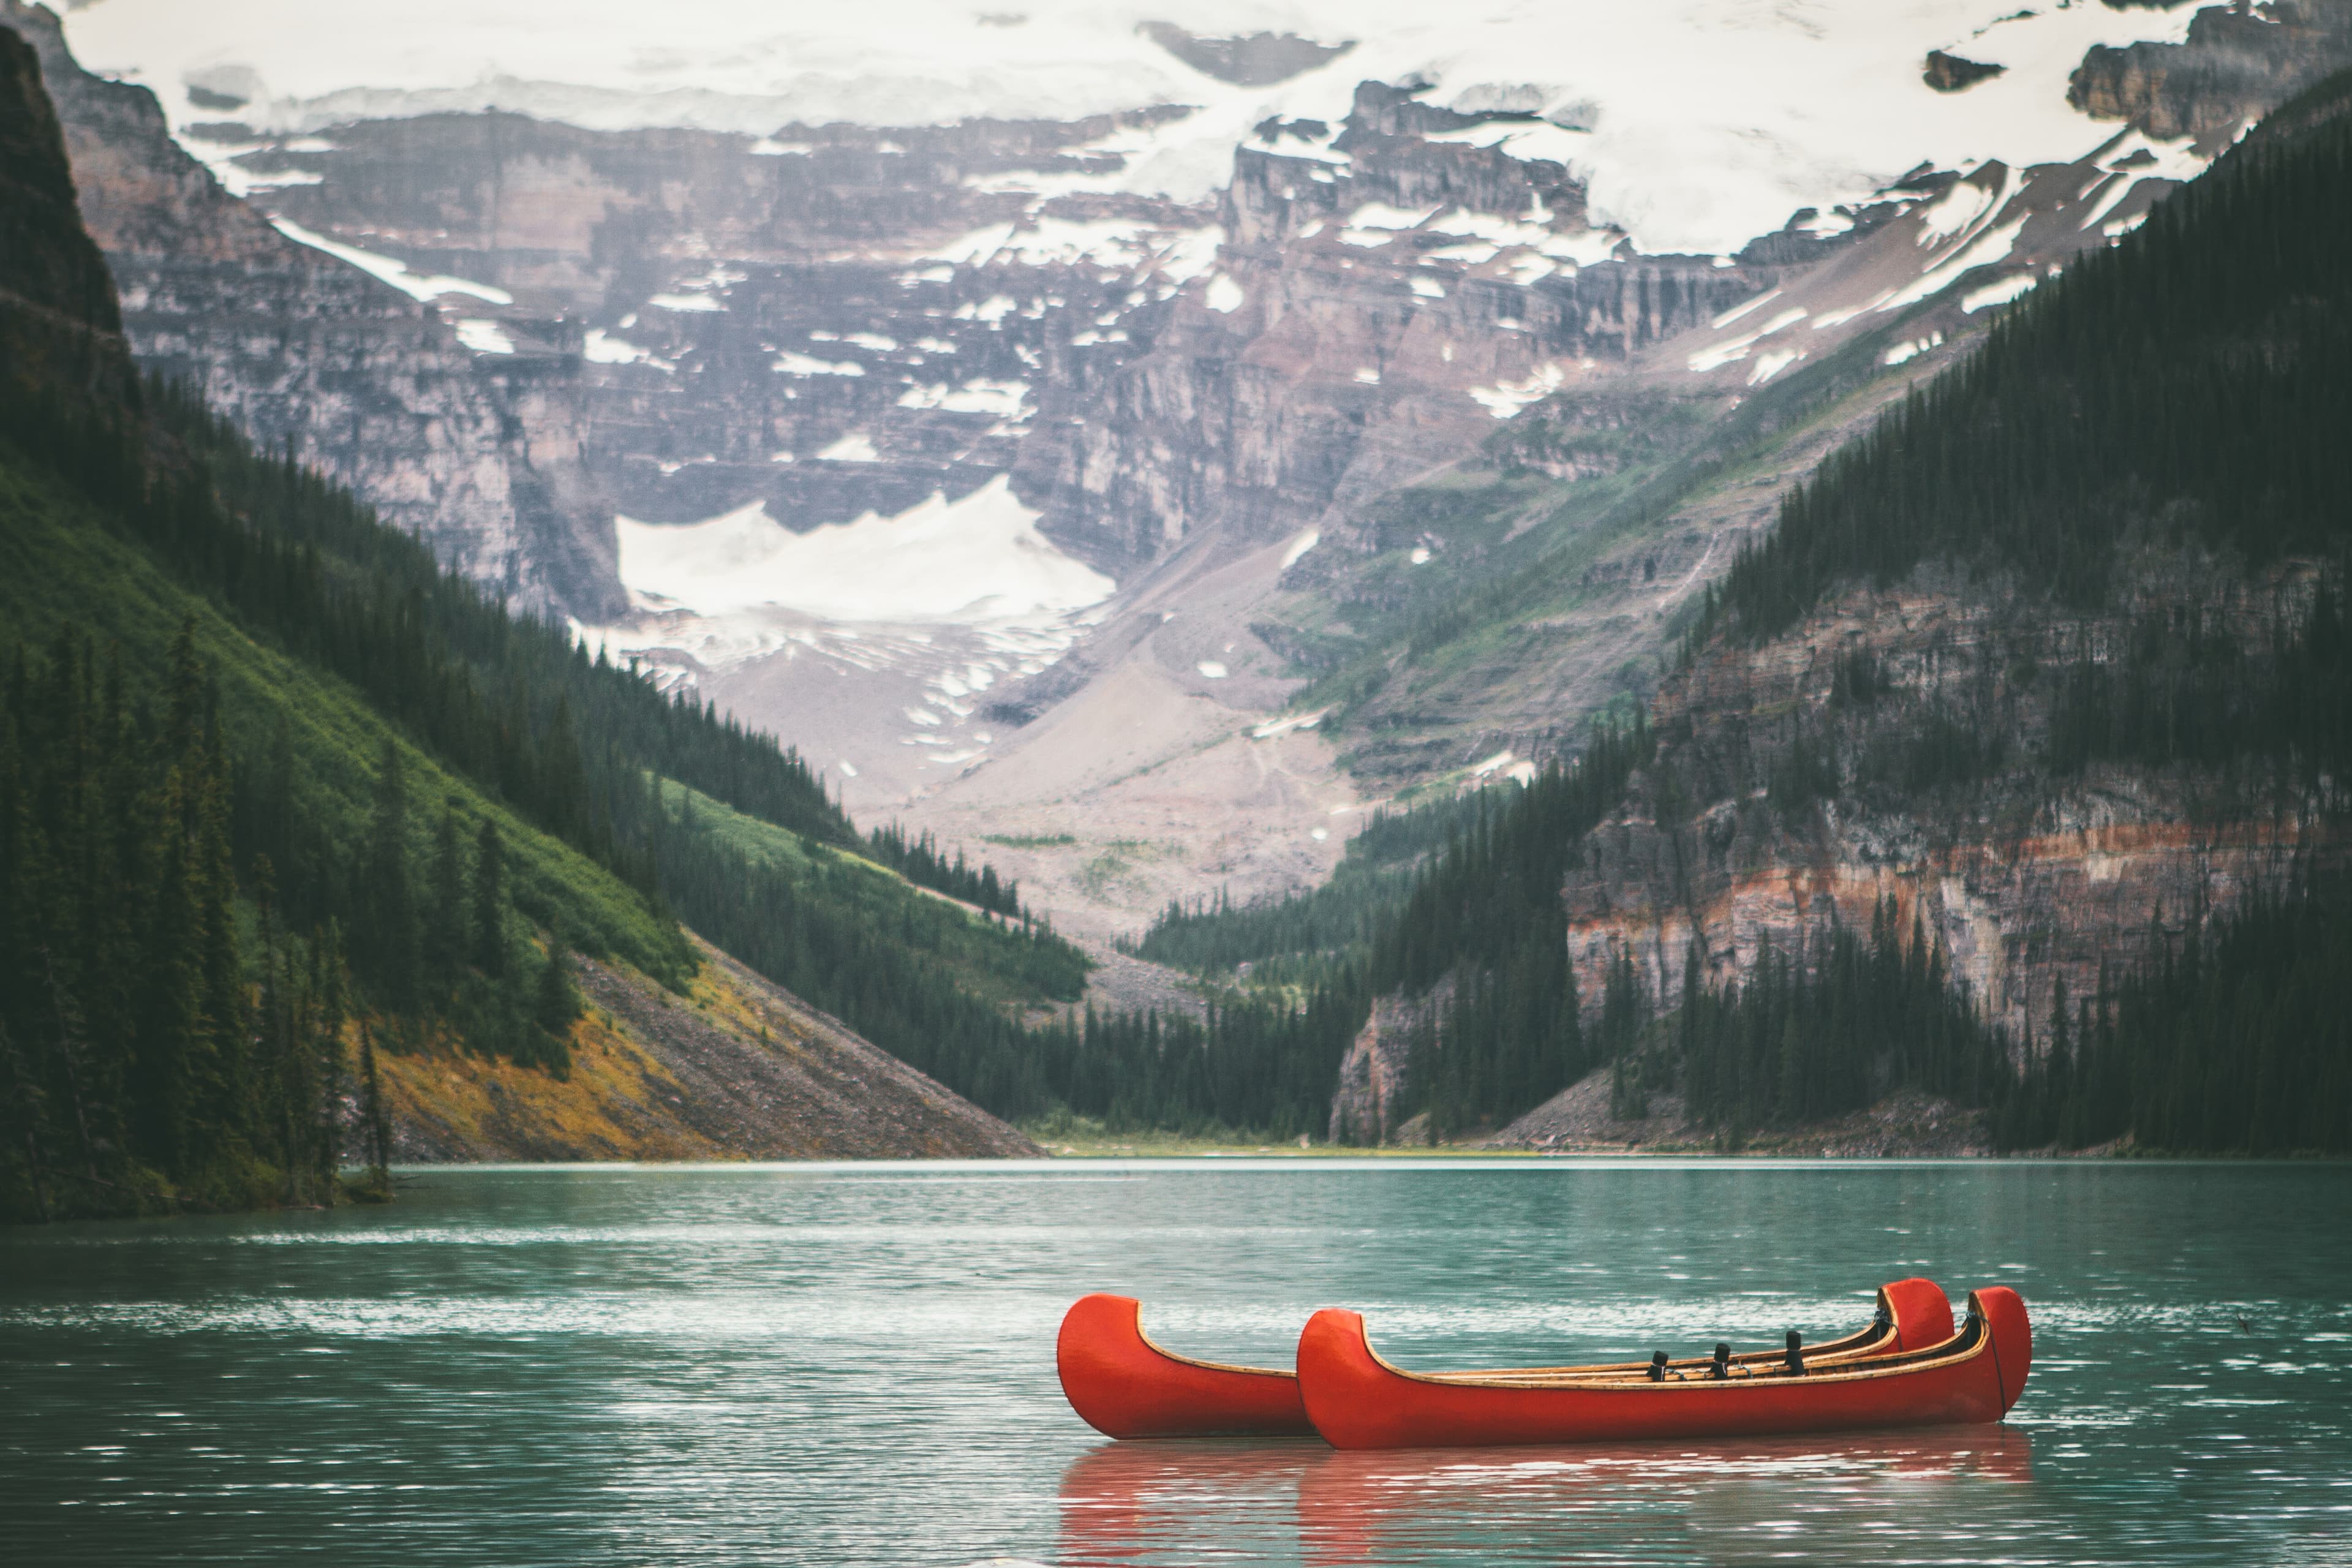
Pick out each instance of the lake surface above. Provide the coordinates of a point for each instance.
(854, 1364)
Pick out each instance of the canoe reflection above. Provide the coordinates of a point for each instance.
(1149, 1501)
(1859, 1495)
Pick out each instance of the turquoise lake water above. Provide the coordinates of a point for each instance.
(854, 1364)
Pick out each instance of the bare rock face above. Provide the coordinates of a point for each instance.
(1259, 60)
(1956, 73)
(1369, 1101)
(305, 351)
(1382, 297)
(828, 321)
(2235, 64)
(2020, 877)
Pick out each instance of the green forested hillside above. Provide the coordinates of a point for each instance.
(1285, 940)
(2191, 381)
(197, 832)
(267, 771)
(398, 763)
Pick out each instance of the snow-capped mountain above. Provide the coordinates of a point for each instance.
(952, 388)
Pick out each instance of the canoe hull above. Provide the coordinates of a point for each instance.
(1123, 1385)
(1359, 1401)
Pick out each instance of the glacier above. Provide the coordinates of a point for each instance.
(1698, 124)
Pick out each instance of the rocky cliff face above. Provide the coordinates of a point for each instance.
(2024, 877)
(1387, 289)
(306, 352)
(829, 320)
(2236, 62)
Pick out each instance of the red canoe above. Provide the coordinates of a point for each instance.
(1359, 1401)
(1123, 1385)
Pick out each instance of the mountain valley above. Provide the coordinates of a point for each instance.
(1163, 486)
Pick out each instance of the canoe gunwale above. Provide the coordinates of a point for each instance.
(1156, 1348)
(1976, 1328)
(1867, 1343)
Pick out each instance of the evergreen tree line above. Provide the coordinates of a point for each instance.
(2234, 1040)
(510, 704)
(2190, 379)
(2183, 691)
(1810, 1036)
(1482, 909)
(1335, 920)
(165, 1035)
(920, 860)
(506, 697)
(1488, 914)
(1257, 1064)
(912, 974)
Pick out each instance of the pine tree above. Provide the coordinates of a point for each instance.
(490, 911)
(558, 1006)
(444, 943)
(376, 1120)
(390, 907)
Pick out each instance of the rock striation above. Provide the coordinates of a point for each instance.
(307, 353)
(2024, 878)
(1386, 291)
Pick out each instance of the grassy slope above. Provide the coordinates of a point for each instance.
(1406, 652)
(986, 959)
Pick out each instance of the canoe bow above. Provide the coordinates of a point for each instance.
(1123, 1385)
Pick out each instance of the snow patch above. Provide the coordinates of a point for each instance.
(1737, 311)
(803, 364)
(416, 284)
(484, 336)
(1525, 141)
(856, 446)
(974, 560)
(691, 304)
(1225, 295)
(1001, 398)
(1211, 669)
(1902, 353)
(602, 348)
(1733, 349)
(1984, 251)
(1300, 547)
(1274, 727)
(2000, 293)
(1505, 398)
